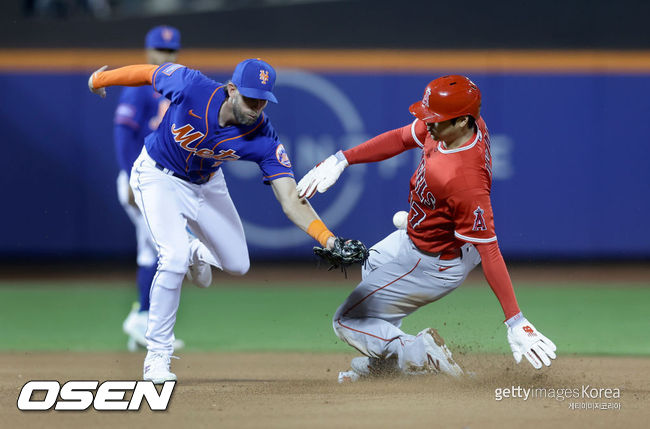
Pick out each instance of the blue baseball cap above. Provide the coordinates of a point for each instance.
(163, 37)
(255, 78)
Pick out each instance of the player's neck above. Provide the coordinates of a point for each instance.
(462, 138)
(226, 114)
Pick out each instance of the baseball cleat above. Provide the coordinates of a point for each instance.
(439, 359)
(348, 377)
(156, 368)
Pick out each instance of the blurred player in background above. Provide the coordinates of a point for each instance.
(450, 230)
(138, 113)
(178, 181)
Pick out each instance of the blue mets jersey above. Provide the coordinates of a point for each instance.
(138, 114)
(189, 140)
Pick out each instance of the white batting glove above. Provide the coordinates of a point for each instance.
(323, 176)
(527, 341)
(99, 91)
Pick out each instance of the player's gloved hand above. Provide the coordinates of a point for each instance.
(527, 341)
(99, 91)
(323, 176)
(342, 252)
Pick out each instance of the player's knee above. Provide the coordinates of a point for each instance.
(338, 323)
(175, 261)
(238, 268)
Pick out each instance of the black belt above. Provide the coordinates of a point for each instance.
(165, 170)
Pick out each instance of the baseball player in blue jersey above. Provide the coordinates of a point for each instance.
(177, 181)
(138, 113)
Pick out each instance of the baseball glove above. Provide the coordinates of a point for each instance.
(344, 253)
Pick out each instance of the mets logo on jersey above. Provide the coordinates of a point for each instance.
(264, 76)
(281, 155)
(479, 221)
(184, 136)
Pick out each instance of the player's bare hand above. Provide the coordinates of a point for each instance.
(99, 91)
(527, 341)
(323, 176)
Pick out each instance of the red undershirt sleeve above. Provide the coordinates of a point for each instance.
(496, 274)
(384, 146)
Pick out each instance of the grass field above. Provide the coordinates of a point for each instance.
(56, 315)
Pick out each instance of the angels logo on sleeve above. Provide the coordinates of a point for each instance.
(479, 221)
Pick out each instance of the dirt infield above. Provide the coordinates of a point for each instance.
(293, 390)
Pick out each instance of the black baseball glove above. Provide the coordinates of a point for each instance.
(344, 253)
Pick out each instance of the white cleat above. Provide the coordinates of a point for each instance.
(439, 359)
(156, 368)
(348, 377)
(199, 272)
(135, 326)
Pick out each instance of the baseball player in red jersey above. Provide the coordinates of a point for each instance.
(450, 230)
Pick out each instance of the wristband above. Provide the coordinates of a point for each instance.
(319, 232)
(514, 320)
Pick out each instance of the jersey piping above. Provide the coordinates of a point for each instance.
(475, 240)
(462, 148)
(417, 141)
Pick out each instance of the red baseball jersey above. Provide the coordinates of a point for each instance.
(450, 192)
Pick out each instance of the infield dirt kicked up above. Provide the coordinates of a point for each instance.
(300, 390)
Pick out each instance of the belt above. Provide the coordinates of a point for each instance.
(447, 255)
(173, 173)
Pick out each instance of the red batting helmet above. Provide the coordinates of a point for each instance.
(448, 97)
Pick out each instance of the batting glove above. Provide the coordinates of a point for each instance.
(527, 341)
(99, 91)
(323, 176)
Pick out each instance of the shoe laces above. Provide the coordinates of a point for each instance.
(158, 360)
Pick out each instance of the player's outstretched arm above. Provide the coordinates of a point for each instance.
(384, 146)
(136, 75)
(337, 251)
(300, 212)
(522, 336)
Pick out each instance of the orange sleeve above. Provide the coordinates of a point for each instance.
(498, 278)
(136, 75)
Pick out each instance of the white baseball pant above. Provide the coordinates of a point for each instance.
(169, 204)
(397, 280)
